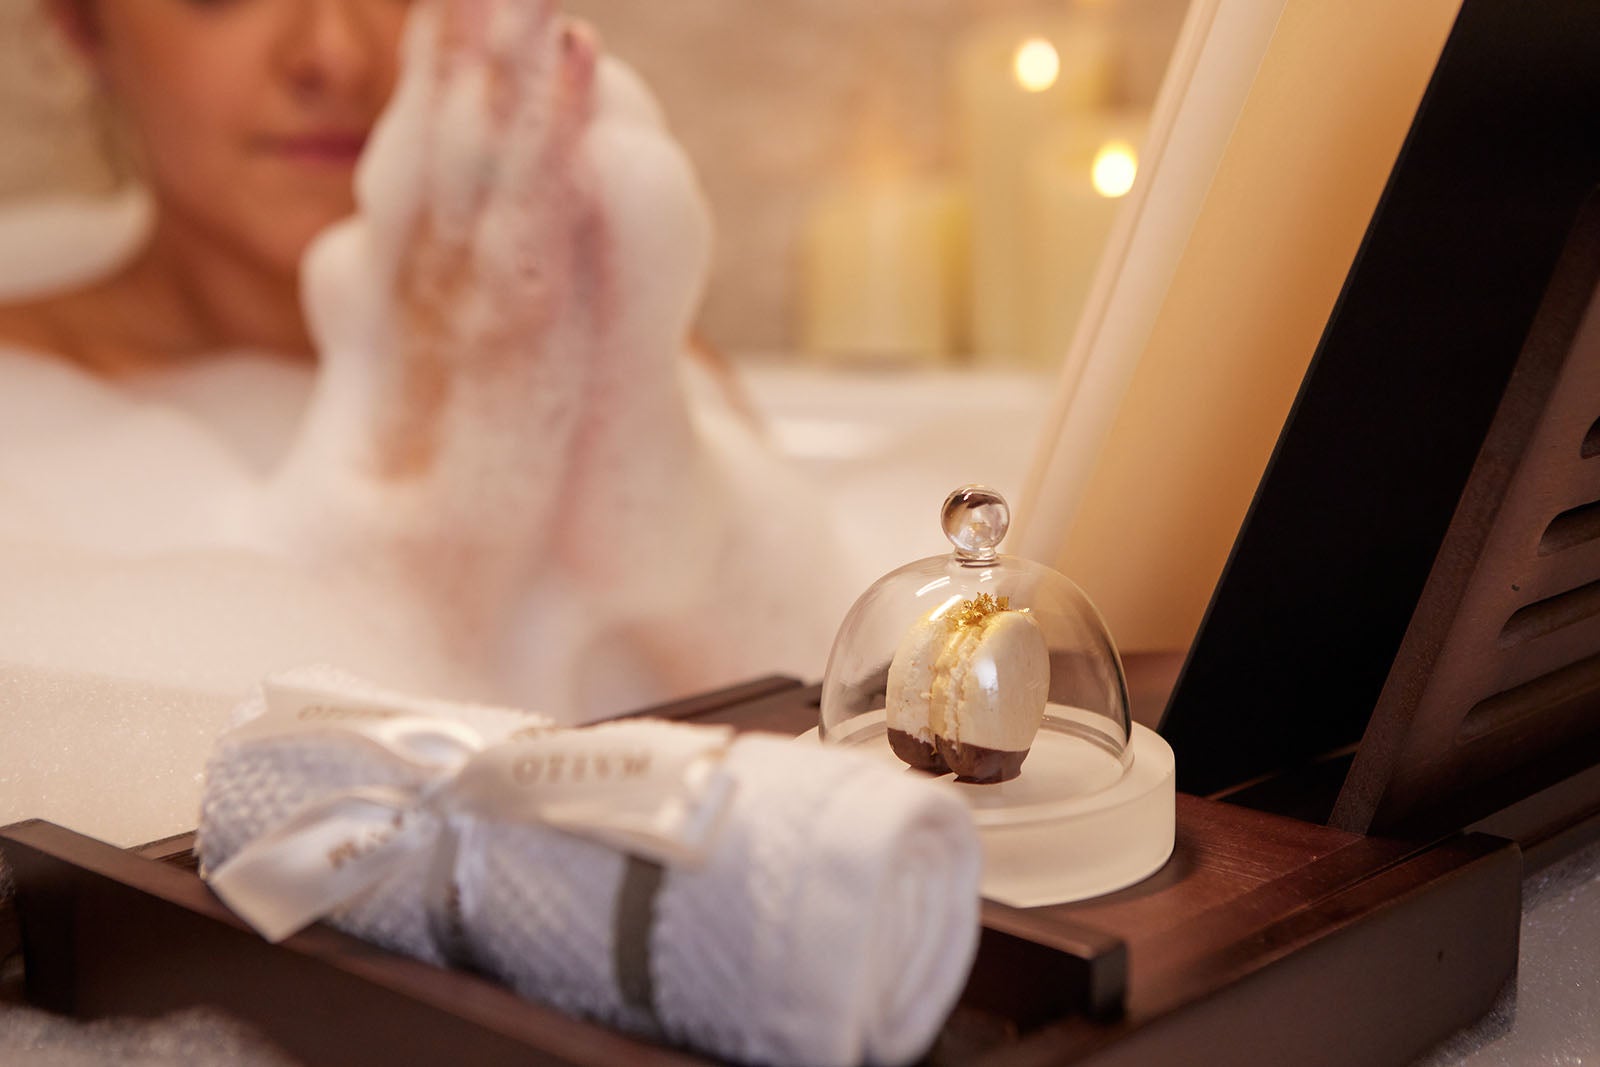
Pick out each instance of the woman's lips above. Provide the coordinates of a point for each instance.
(337, 149)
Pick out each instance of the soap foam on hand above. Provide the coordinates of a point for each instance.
(561, 530)
(606, 545)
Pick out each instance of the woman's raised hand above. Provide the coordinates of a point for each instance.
(477, 239)
(501, 326)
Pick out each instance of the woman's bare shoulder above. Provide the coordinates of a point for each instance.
(39, 325)
(80, 327)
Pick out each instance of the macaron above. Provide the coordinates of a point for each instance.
(967, 690)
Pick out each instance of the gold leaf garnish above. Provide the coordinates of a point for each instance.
(971, 612)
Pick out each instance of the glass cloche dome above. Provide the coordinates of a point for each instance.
(997, 673)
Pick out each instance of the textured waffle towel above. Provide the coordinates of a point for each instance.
(815, 907)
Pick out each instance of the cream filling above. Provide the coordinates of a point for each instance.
(911, 678)
(982, 684)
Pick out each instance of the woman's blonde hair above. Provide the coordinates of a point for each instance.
(57, 123)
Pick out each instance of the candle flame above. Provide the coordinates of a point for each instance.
(1037, 65)
(1115, 167)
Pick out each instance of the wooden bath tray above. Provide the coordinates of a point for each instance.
(1264, 940)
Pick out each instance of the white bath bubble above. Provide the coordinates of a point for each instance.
(138, 608)
(33, 1038)
(252, 404)
(117, 674)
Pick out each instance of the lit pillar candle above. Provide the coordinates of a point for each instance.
(1015, 81)
(881, 269)
(1076, 179)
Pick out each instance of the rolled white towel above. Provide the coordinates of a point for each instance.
(831, 921)
(254, 788)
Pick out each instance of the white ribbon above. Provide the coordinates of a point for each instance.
(325, 856)
(654, 790)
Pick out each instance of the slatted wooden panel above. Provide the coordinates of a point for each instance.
(1495, 692)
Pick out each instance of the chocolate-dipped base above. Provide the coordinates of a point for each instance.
(920, 754)
(978, 765)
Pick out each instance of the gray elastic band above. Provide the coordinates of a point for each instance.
(635, 918)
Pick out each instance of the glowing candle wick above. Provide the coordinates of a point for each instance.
(1115, 167)
(1037, 65)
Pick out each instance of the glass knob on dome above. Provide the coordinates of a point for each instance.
(975, 519)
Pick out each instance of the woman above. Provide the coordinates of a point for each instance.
(497, 487)
(246, 119)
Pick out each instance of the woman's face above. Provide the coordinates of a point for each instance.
(249, 114)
